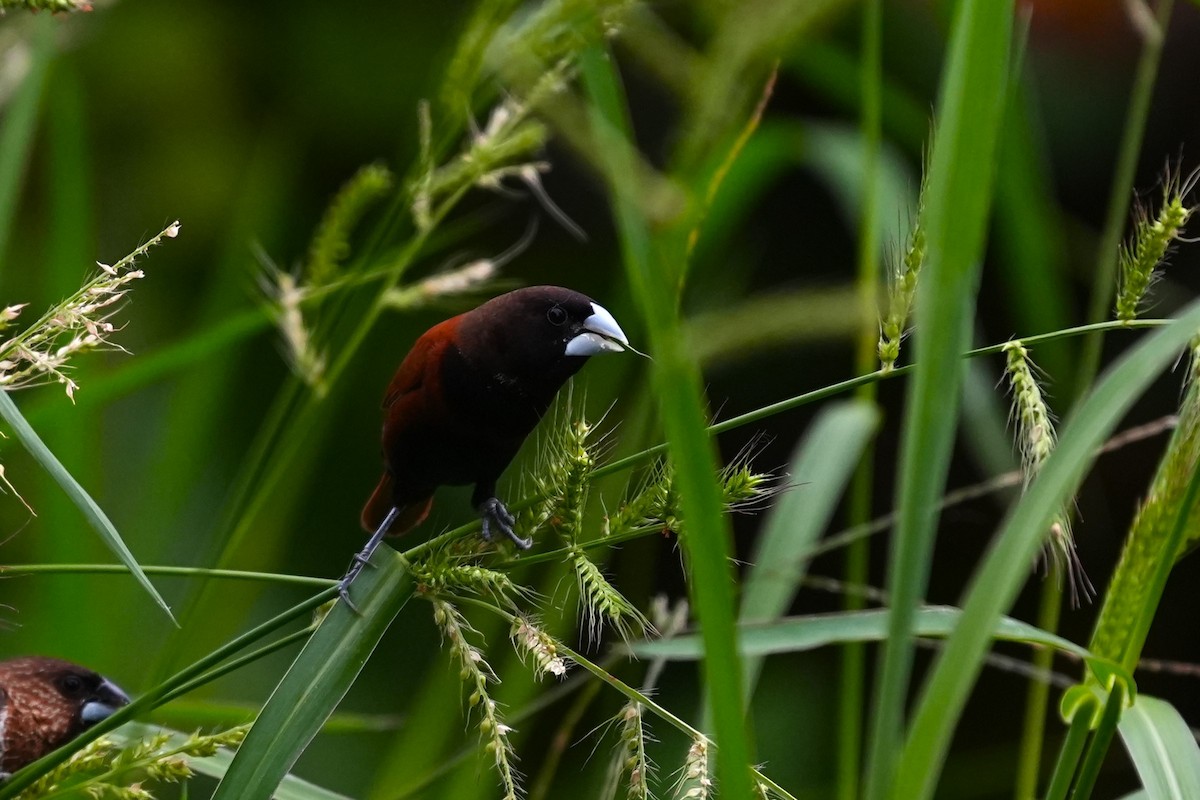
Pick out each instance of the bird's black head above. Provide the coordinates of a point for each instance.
(538, 336)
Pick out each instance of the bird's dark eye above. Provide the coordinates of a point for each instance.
(72, 684)
(556, 315)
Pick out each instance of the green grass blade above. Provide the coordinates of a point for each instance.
(1005, 570)
(317, 680)
(821, 466)
(797, 634)
(215, 766)
(18, 124)
(653, 269)
(79, 496)
(959, 191)
(1162, 748)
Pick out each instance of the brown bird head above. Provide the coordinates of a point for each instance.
(539, 336)
(44, 702)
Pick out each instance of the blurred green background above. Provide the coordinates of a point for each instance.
(242, 120)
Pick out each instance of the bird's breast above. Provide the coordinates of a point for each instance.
(462, 428)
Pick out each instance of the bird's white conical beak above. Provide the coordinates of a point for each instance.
(601, 334)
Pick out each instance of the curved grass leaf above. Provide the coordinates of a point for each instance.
(797, 634)
(653, 260)
(1006, 568)
(959, 190)
(318, 680)
(1162, 748)
(79, 496)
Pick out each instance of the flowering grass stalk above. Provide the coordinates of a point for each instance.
(902, 289)
(1150, 244)
(477, 676)
(631, 763)
(81, 323)
(536, 646)
(695, 778)
(105, 769)
(1036, 438)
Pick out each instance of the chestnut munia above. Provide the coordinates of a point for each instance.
(466, 396)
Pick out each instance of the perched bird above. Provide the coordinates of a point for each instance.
(44, 702)
(468, 394)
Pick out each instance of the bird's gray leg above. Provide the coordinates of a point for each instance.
(495, 514)
(363, 557)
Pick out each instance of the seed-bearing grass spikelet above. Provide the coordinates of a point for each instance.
(103, 768)
(601, 604)
(694, 780)
(330, 245)
(902, 287)
(1036, 439)
(53, 6)
(562, 474)
(631, 765)
(287, 292)
(476, 675)
(286, 295)
(1151, 241)
(441, 574)
(536, 647)
(81, 323)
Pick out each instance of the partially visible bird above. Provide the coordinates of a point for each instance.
(468, 394)
(45, 702)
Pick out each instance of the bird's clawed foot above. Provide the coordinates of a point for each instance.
(496, 515)
(363, 558)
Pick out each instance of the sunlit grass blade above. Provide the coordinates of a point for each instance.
(318, 680)
(79, 496)
(821, 467)
(1163, 749)
(707, 541)
(796, 634)
(1006, 567)
(959, 185)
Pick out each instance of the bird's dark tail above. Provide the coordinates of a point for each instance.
(377, 507)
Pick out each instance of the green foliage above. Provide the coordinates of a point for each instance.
(105, 769)
(672, 134)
